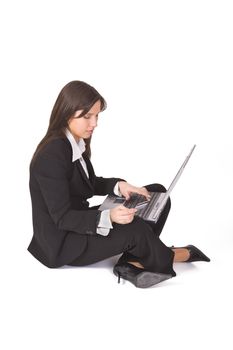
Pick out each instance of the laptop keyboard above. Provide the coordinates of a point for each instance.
(146, 211)
(135, 200)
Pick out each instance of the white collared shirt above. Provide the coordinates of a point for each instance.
(78, 147)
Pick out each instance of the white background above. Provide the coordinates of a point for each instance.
(165, 69)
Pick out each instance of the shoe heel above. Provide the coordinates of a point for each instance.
(119, 277)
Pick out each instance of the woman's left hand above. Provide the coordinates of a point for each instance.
(126, 190)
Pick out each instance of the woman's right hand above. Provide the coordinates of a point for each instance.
(122, 215)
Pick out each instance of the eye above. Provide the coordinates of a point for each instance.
(88, 116)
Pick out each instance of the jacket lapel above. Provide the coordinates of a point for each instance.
(83, 174)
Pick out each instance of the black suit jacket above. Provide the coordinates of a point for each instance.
(59, 191)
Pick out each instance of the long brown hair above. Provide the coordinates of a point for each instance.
(75, 96)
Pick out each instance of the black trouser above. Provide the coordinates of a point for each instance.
(138, 241)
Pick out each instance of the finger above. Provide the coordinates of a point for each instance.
(126, 220)
(148, 196)
(120, 207)
(127, 195)
(125, 211)
(145, 193)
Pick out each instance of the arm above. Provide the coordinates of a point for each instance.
(120, 214)
(52, 170)
(104, 186)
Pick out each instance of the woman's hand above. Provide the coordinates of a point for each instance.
(122, 215)
(126, 189)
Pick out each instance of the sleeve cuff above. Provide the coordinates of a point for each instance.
(105, 224)
(116, 190)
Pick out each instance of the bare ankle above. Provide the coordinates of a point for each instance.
(137, 264)
(181, 254)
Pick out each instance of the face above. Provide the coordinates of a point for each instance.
(83, 127)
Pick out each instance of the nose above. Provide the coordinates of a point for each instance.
(93, 121)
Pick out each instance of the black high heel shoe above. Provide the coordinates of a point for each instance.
(195, 254)
(141, 278)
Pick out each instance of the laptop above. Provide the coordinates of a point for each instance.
(149, 210)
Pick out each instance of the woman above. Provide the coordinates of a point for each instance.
(66, 230)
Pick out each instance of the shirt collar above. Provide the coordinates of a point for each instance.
(78, 147)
